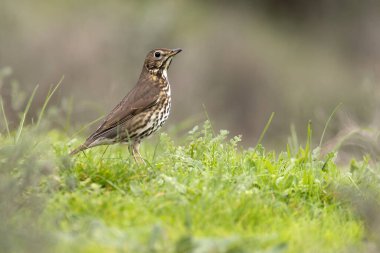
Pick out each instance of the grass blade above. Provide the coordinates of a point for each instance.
(308, 141)
(265, 129)
(328, 122)
(5, 118)
(50, 94)
(21, 126)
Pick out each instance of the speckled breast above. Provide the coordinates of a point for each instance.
(159, 114)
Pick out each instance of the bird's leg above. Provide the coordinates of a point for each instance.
(134, 150)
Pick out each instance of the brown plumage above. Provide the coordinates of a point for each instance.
(142, 111)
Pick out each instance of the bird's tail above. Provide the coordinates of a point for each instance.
(78, 149)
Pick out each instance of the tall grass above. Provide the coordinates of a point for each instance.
(26, 170)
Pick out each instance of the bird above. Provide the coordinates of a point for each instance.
(142, 111)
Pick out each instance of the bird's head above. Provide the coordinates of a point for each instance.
(158, 60)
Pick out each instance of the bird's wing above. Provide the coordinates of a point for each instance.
(140, 98)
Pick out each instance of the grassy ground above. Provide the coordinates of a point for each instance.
(204, 195)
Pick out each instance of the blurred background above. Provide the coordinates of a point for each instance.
(242, 60)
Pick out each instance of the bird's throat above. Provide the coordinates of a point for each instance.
(159, 75)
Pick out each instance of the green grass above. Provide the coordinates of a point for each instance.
(205, 194)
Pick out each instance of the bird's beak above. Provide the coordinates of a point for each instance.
(175, 51)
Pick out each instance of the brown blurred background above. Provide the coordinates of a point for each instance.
(242, 60)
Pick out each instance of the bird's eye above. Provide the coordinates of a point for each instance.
(157, 54)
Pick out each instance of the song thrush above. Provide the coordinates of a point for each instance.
(142, 111)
